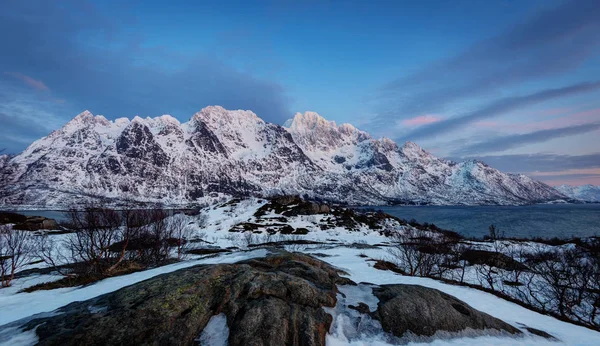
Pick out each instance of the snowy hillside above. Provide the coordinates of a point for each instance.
(586, 193)
(220, 153)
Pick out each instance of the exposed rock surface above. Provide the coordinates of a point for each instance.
(276, 300)
(29, 223)
(424, 311)
(235, 153)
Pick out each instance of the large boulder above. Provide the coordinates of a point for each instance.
(424, 311)
(275, 300)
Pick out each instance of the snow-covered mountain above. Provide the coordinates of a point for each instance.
(235, 153)
(586, 193)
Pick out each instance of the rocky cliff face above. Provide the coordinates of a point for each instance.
(235, 153)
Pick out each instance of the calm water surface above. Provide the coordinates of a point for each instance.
(544, 220)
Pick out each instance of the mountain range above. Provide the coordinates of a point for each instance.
(220, 153)
(586, 193)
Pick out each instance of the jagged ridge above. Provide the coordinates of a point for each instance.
(235, 153)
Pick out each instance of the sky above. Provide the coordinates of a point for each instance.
(515, 84)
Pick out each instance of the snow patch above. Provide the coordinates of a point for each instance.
(216, 332)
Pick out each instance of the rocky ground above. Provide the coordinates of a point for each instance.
(276, 300)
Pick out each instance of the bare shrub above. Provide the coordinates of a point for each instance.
(15, 249)
(96, 229)
(181, 232)
(418, 253)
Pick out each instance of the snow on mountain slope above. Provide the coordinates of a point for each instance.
(409, 173)
(220, 153)
(586, 193)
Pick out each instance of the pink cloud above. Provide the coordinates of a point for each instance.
(552, 111)
(487, 124)
(570, 176)
(575, 181)
(585, 117)
(591, 116)
(32, 83)
(421, 120)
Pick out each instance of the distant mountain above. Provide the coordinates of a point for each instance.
(586, 193)
(235, 153)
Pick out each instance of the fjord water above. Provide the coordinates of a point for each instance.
(541, 220)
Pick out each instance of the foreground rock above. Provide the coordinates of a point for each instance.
(424, 311)
(276, 300)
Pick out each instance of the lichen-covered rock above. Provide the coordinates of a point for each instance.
(275, 300)
(424, 311)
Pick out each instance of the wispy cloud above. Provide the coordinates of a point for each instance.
(502, 143)
(538, 162)
(498, 107)
(421, 120)
(579, 118)
(31, 82)
(569, 176)
(549, 44)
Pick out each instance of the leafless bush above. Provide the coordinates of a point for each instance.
(418, 253)
(455, 264)
(49, 251)
(181, 232)
(15, 249)
(96, 229)
(103, 239)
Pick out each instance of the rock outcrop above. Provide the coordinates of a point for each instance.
(425, 311)
(276, 300)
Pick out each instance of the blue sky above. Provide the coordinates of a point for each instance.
(514, 83)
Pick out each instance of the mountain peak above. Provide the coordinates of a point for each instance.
(308, 121)
(137, 119)
(412, 146)
(86, 118)
(312, 122)
(167, 118)
(85, 115)
(220, 115)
